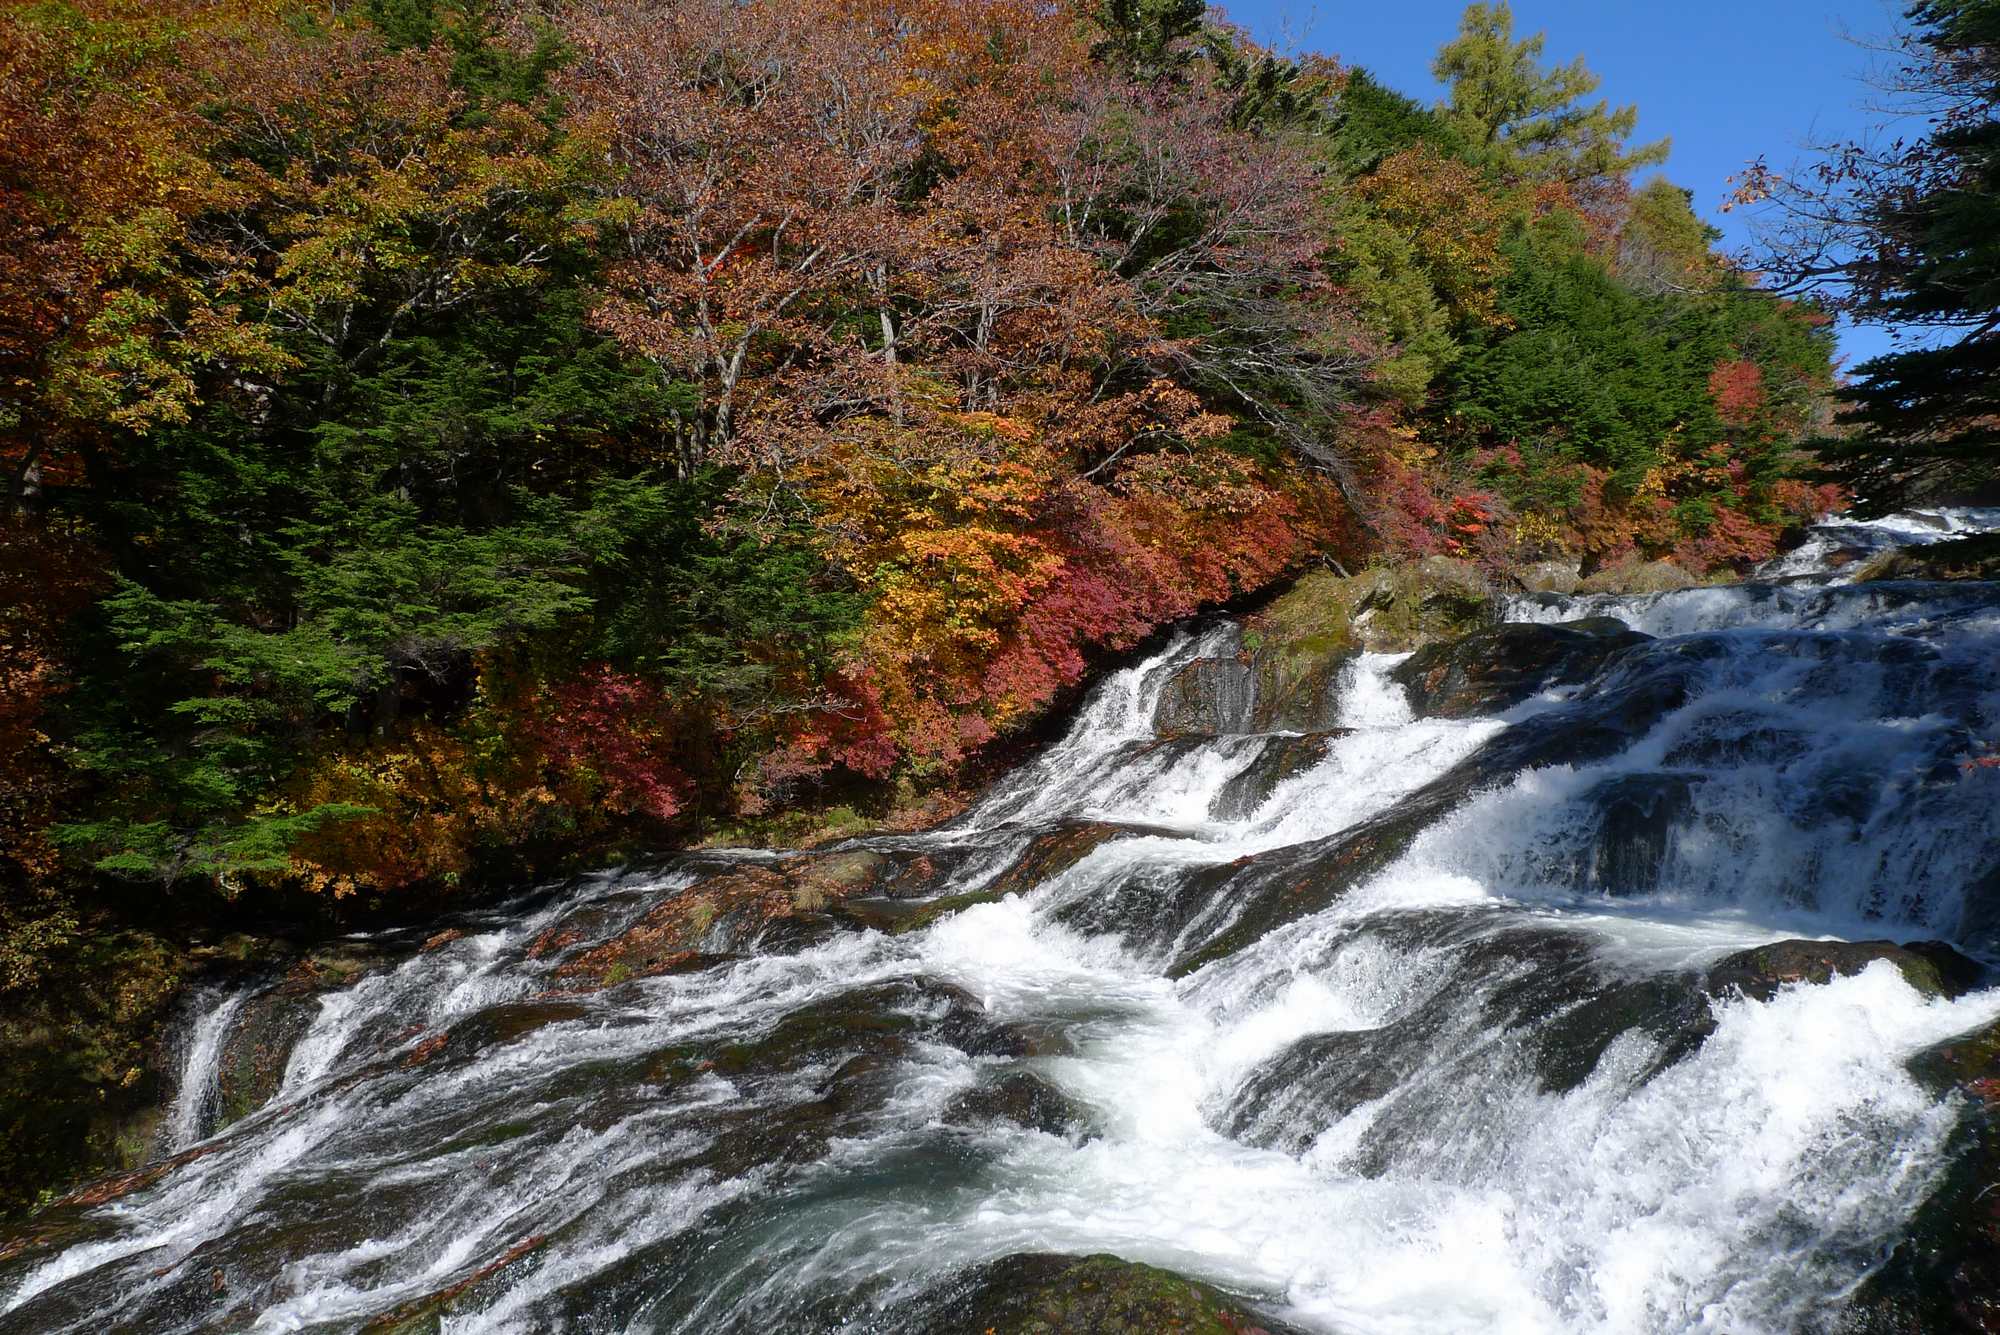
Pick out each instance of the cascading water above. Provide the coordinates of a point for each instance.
(193, 1109)
(1406, 1033)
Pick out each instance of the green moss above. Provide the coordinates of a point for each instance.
(944, 907)
(797, 828)
(701, 914)
(79, 1092)
(1104, 1295)
(1387, 610)
(1971, 558)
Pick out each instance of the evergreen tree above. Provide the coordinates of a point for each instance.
(1928, 417)
(1148, 38)
(1525, 117)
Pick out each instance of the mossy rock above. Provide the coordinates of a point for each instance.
(1547, 576)
(1976, 557)
(1638, 577)
(258, 1048)
(895, 917)
(724, 912)
(1931, 967)
(1326, 617)
(1042, 1294)
(1053, 852)
(1287, 676)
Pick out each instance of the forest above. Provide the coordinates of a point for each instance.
(454, 441)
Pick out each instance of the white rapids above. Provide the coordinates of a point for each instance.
(1352, 1119)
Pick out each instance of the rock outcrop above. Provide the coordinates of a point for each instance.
(1492, 670)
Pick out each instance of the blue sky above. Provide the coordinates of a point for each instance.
(1728, 81)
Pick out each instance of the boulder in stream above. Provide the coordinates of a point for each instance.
(1038, 1293)
(1637, 816)
(1492, 670)
(1943, 1274)
(1023, 1099)
(1286, 675)
(1931, 967)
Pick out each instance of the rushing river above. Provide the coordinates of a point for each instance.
(1407, 1038)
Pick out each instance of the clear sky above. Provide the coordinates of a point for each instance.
(1727, 79)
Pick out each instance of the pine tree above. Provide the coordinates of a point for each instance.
(1526, 118)
(1928, 418)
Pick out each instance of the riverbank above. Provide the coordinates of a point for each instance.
(1249, 930)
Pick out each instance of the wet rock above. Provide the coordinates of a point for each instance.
(1208, 697)
(848, 1050)
(1493, 670)
(840, 872)
(252, 1061)
(1282, 758)
(1042, 1294)
(1048, 855)
(425, 1316)
(885, 870)
(1670, 1010)
(1638, 815)
(722, 914)
(1024, 1099)
(1267, 890)
(1733, 738)
(1548, 1007)
(498, 1025)
(1931, 967)
(1979, 921)
(1053, 852)
(1943, 1274)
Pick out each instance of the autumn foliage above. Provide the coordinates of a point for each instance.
(446, 435)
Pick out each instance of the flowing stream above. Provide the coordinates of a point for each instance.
(1403, 1036)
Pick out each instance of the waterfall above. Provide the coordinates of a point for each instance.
(1398, 1027)
(200, 1051)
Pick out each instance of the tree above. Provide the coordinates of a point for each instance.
(1663, 247)
(1370, 122)
(1908, 233)
(761, 151)
(1525, 117)
(1148, 39)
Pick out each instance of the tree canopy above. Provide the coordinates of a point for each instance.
(1529, 118)
(460, 433)
(1907, 233)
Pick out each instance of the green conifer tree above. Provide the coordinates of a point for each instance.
(1527, 118)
